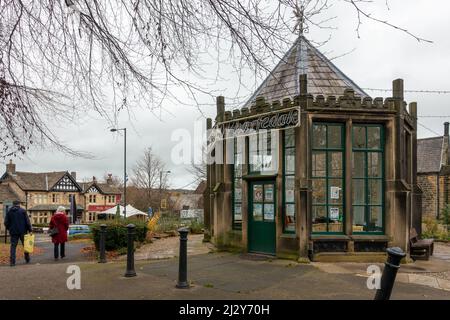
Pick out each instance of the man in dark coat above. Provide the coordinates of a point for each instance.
(18, 224)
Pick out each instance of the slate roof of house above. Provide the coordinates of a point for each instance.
(191, 200)
(41, 181)
(429, 154)
(303, 58)
(103, 187)
(8, 194)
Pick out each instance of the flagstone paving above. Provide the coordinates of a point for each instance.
(218, 275)
(212, 276)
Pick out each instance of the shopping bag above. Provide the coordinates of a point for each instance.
(28, 245)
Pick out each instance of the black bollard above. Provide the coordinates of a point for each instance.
(130, 252)
(395, 255)
(102, 258)
(182, 269)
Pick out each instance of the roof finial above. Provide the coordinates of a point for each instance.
(300, 15)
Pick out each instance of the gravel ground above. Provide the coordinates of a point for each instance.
(166, 248)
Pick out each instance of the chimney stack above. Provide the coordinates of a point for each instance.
(11, 167)
(220, 104)
(74, 175)
(446, 127)
(109, 180)
(398, 89)
(94, 179)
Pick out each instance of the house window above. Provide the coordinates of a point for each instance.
(55, 198)
(91, 217)
(92, 198)
(237, 184)
(289, 181)
(328, 178)
(368, 179)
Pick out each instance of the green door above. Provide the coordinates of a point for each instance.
(261, 227)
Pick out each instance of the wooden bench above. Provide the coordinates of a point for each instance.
(420, 249)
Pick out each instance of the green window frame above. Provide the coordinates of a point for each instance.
(328, 178)
(368, 179)
(289, 208)
(238, 157)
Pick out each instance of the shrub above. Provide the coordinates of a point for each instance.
(80, 236)
(116, 233)
(168, 222)
(432, 229)
(196, 226)
(446, 215)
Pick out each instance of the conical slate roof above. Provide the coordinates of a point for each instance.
(303, 58)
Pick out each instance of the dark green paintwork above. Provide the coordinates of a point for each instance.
(261, 234)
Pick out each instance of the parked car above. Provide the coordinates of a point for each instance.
(78, 229)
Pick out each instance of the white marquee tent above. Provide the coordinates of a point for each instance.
(131, 212)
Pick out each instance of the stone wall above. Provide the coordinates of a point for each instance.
(429, 185)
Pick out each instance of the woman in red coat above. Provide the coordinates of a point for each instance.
(61, 223)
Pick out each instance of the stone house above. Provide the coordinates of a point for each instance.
(312, 166)
(99, 197)
(433, 173)
(7, 196)
(42, 193)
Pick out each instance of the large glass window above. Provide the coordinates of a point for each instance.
(237, 184)
(368, 179)
(327, 178)
(289, 181)
(261, 154)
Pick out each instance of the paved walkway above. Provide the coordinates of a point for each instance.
(219, 276)
(213, 276)
(45, 253)
(434, 273)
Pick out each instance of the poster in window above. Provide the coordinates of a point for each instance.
(238, 194)
(334, 213)
(257, 212)
(258, 193)
(268, 192)
(237, 212)
(269, 212)
(334, 192)
(290, 187)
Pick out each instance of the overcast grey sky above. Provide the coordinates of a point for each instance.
(380, 55)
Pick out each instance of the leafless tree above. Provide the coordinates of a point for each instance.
(62, 58)
(198, 169)
(146, 175)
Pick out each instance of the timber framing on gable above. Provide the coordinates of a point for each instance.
(66, 184)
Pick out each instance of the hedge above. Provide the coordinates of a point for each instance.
(116, 233)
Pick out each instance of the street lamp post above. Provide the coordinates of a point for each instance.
(160, 186)
(124, 170)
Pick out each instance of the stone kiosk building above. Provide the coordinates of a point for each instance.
(312, 166)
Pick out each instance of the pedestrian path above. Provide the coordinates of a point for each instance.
(434, 273)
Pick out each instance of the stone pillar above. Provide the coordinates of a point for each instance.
(206, 194)
(348, 227)
(402, 213)
(303, 160)
(219, 176)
